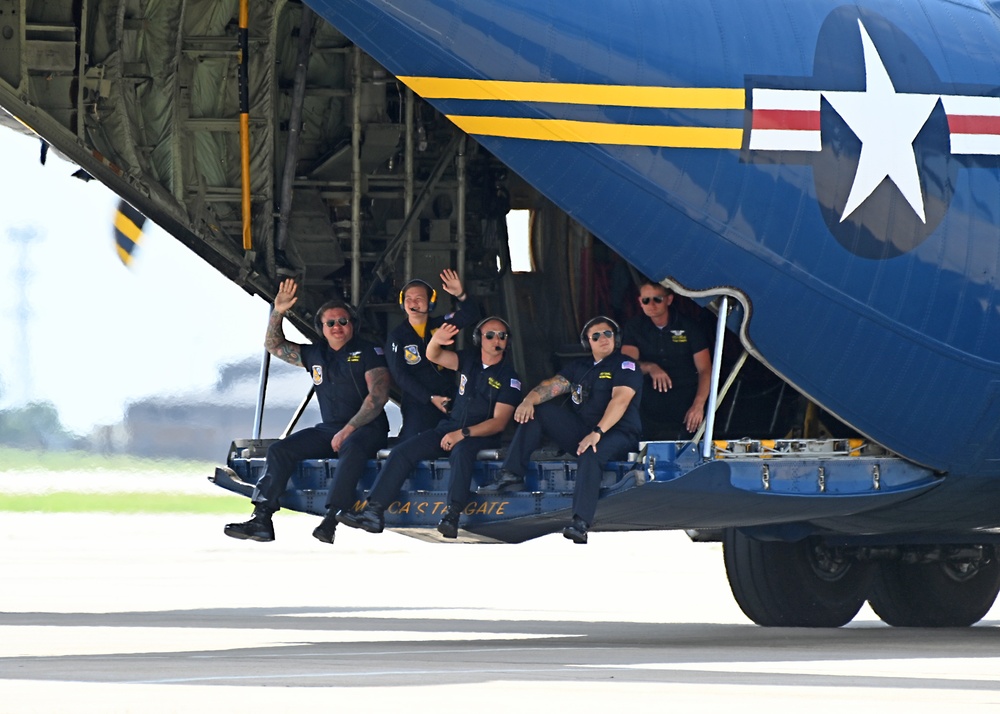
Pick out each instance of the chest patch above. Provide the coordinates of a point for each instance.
(317, 374)
(354, 356)
(411, 353)
(678, 336)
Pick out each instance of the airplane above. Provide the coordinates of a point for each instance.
(822, 177)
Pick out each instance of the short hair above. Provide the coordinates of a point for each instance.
(335, 304)
(652, 283)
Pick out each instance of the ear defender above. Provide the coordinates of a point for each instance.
(432, 294)
(585, 338)
(477, 334)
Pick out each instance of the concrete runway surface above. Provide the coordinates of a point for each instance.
(128, 613)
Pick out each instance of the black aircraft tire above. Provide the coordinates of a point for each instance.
(793, 584)
(934, 594)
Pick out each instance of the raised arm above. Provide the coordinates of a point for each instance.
(275, 341)
(436, 352)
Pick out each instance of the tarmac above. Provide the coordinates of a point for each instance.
(163, 613)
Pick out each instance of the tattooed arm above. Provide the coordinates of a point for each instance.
(377, 380)
(274, 341)
(548, 389)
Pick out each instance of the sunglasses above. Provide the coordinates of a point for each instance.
(604, 333)
(656, 298)
(342, 321)
(491, 334)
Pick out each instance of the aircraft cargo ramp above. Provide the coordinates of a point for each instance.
(668, 486)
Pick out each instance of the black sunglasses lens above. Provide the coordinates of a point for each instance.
(657, 299)
(342, 321)
(498, 335)
(597, 335)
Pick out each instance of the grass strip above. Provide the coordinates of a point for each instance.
(70, 502)
(23, 460)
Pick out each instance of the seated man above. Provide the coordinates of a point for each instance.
(352, 387)
(426, 388)
(487, 392)
(599, 423)
(673, 355)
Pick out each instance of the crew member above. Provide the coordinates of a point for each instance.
(672, 351)
(488, 390)
(427, 389)
(352, 387)
(599, 423)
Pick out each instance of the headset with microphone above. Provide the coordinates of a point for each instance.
(477, 336)
(432, 294)
(585, 338)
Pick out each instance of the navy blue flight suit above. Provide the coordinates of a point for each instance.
(339, 378)
(417, 377)
(672, 347)
(480, 389)
(567, 421)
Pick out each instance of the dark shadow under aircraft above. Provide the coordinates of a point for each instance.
(821, 179)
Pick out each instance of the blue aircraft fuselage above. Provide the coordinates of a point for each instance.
(834, 167)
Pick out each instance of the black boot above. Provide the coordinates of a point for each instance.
(448, 527)
(505, 481)
(576, 531)
(326, 531)
(370, 519)
(258, 528)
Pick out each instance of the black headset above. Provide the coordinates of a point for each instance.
(477, 335)
(432, 294)
(585, 338)
(330, 305)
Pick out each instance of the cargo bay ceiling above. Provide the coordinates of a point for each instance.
(145, 97)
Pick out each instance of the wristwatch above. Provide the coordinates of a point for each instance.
(465, 432)
(598, 430)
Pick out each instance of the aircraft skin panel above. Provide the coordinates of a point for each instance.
(867, 261)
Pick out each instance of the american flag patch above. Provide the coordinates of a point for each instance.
(515, 384)
(380, 351)
(628, 364)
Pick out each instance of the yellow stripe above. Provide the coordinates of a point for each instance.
(124, 224)
(124, 255)
(585, 132)
(598, 94)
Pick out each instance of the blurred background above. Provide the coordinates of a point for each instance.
(158, 358)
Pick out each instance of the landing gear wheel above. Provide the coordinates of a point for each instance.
(947, 594)
(803, 584)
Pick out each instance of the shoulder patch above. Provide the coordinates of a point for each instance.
(449, 316)
(515, 384)
(317, 374)
(379, 350)
(628, 364)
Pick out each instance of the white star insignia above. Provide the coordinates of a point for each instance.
(886, 123)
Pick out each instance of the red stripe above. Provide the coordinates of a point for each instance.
(967, 124)
(791, 119)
